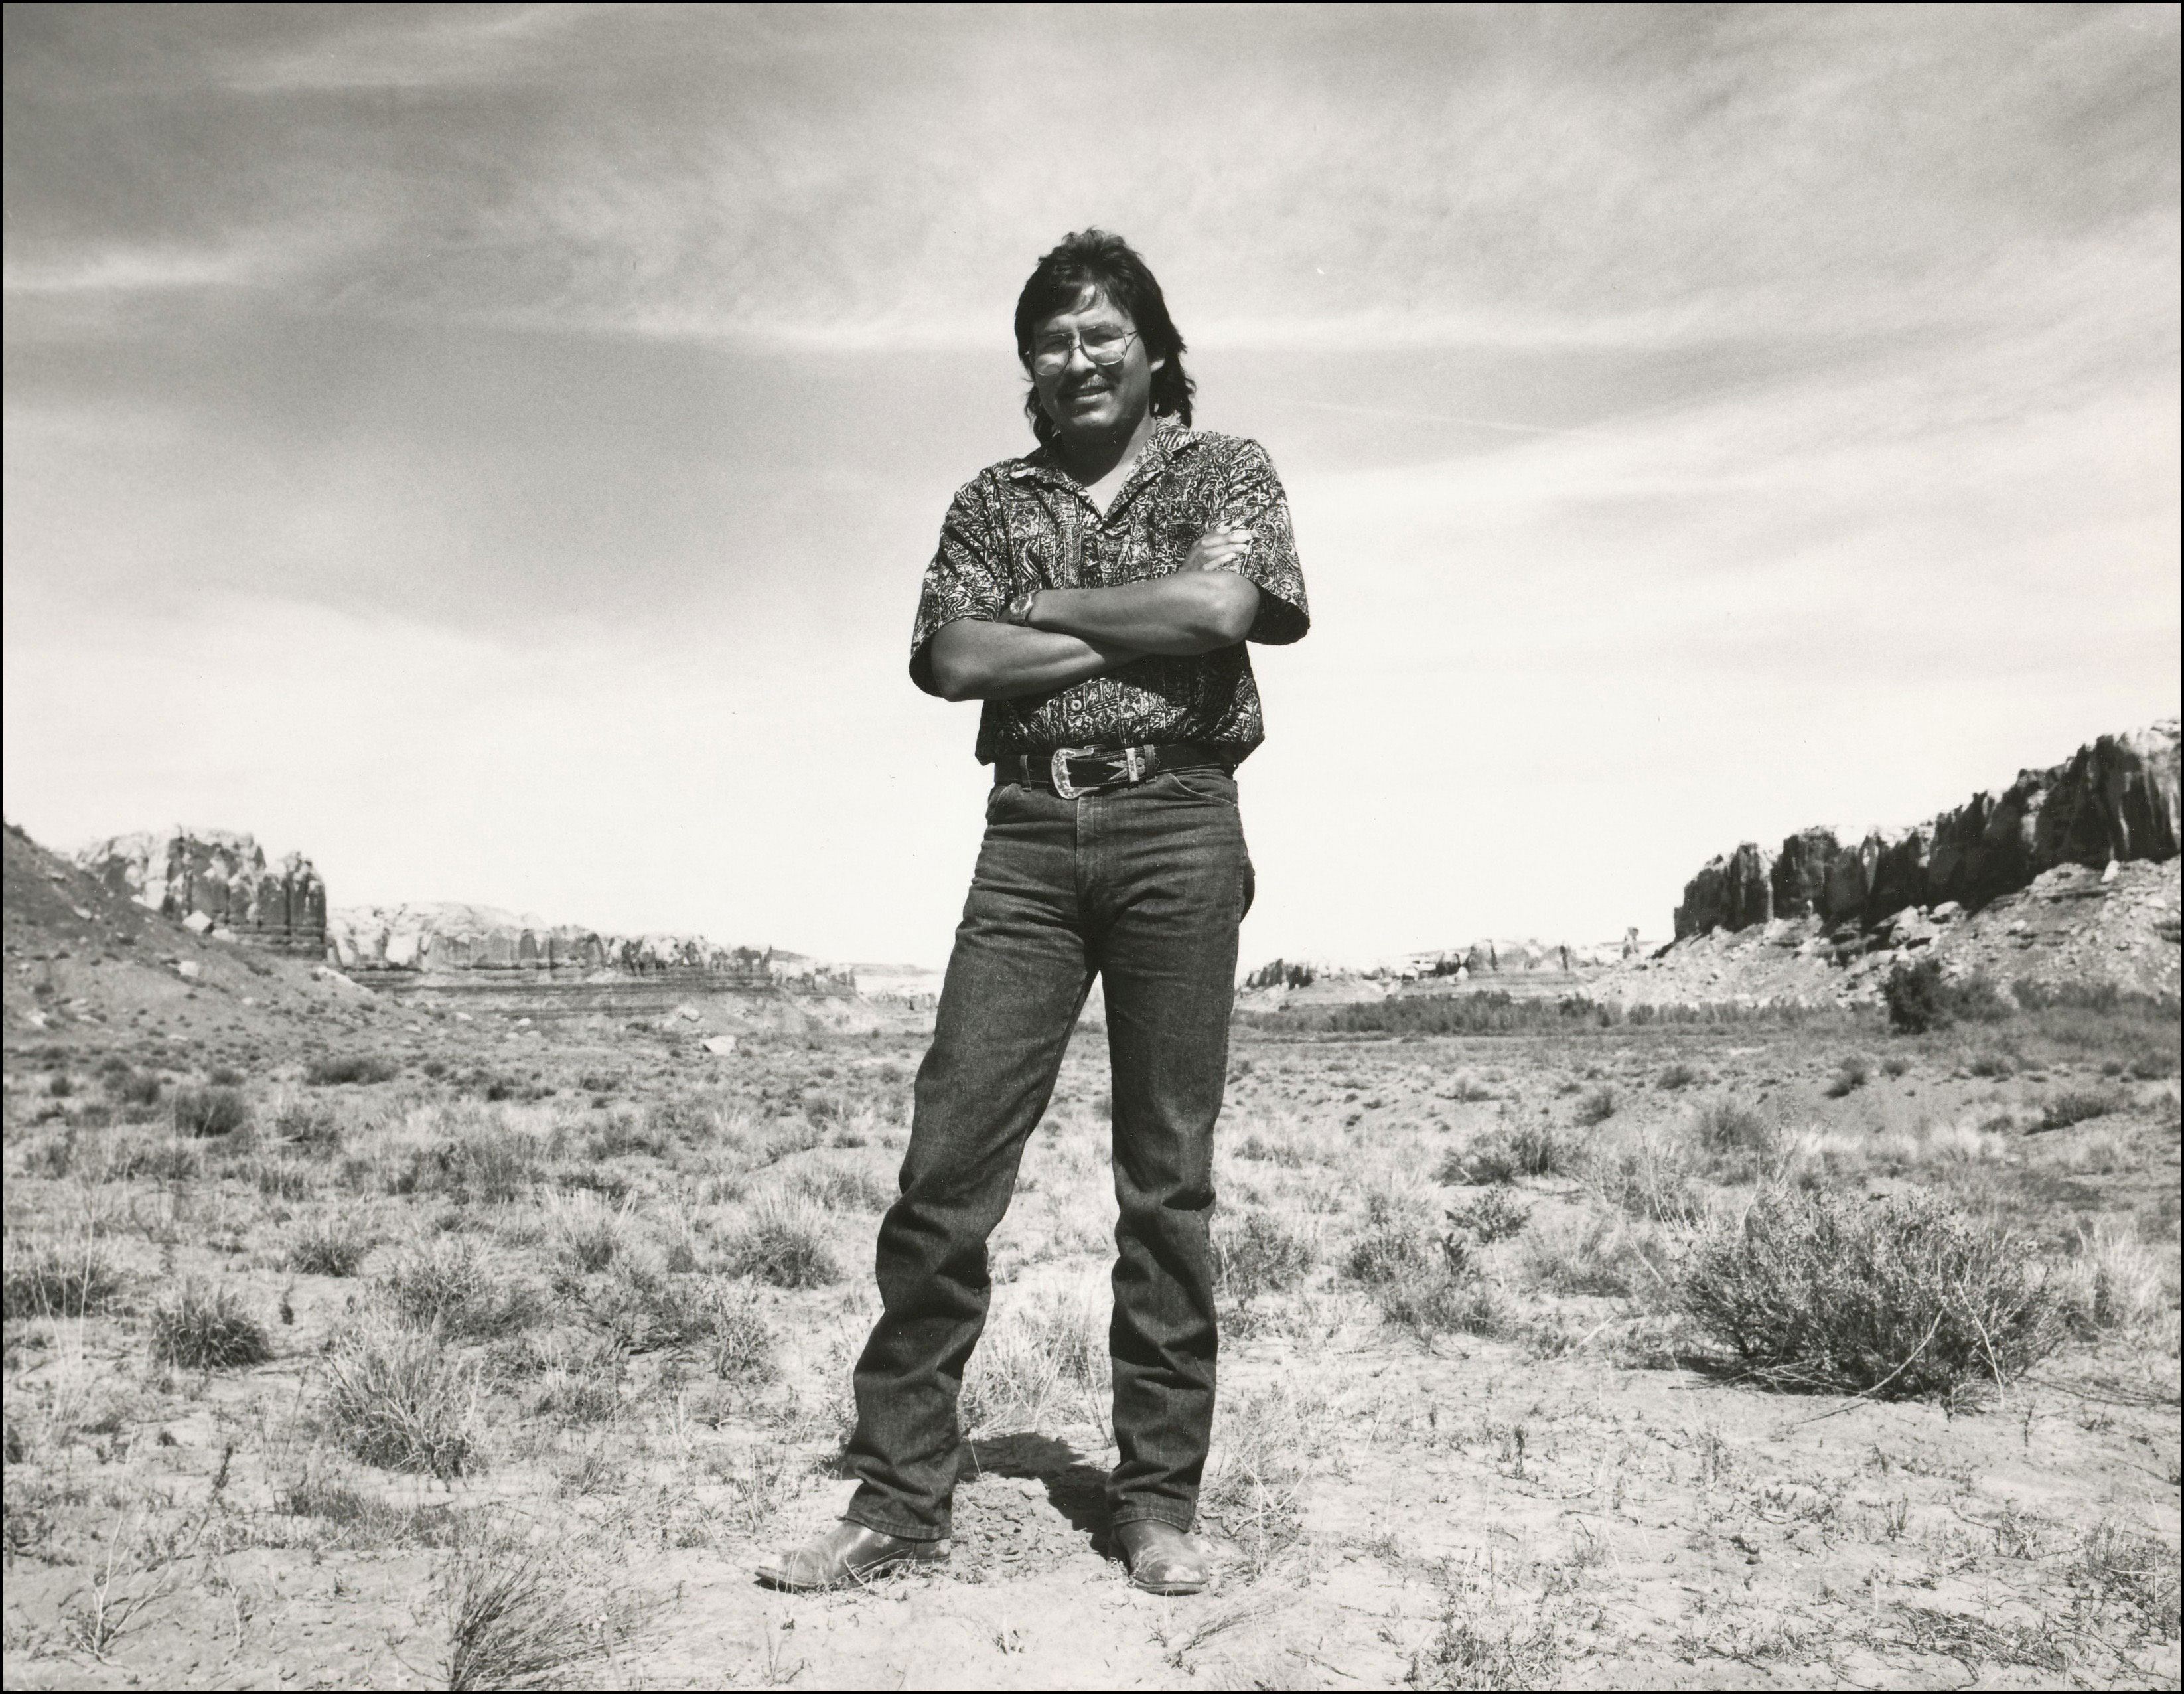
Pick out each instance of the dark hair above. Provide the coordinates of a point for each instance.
(1093, 259)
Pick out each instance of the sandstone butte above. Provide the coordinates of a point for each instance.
(219, 880)
(2114, 800)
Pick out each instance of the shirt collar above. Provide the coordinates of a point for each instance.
(1169, 440)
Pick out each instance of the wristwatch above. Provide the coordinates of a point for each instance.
(1018, 611)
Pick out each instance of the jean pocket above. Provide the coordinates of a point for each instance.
(1202, 782)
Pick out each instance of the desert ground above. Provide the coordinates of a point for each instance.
(285, 1401)
(359, 1343)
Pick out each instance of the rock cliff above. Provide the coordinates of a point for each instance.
(216, 880)
(2114, 799)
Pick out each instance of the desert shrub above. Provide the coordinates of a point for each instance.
(1596, 1105)
(209, 1328)
(282, 1178)
(1852, 1073)
(1257, 1253)
(1895, 1065)
(1678, 1075)
(1530, 1151)
(627, 1133)
(644, 1311)
(201, 1111)
(1285, 1154)
(167, 1159)
(1898, 1298)
(329, 1246)
(1920, 998)
(330, 1070)
(1493, 1217)
(131, 1087)
(2120, 1561)
(1468, 1089)
(447, 1287)
(78, 1280)
(399, 1399)
(1393, 1242)
(1432, 1300)
(2077, 1106)
(780, 1243)
(491, 1167)
(307, 1124)
(1991, 1062)
(1726, 1129)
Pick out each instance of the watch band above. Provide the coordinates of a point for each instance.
(1018, 611)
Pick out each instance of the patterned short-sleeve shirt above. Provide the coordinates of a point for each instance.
(1026, 523)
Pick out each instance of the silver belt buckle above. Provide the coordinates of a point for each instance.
(1129, 766)
(1057, 768)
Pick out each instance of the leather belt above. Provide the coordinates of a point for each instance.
(1070, 771)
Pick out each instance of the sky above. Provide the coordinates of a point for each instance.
(493, 449)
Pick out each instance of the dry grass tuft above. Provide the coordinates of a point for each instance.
(209, 1328)
(1257, 1253)
(783, 1243)
(1044, 1361)
(77, 1280)
(401, 1400)
(516, 1618)
(1253, 1493)
(448, 1286)
(331, 1245)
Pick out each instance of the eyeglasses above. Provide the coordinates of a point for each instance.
(1102, 345)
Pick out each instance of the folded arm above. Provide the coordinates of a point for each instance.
(972, 659)
(1192, 611)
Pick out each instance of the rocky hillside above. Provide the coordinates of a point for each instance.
(2114, 799)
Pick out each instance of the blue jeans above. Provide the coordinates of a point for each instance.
(1143, 886)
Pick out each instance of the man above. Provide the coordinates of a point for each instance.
(1095, 595)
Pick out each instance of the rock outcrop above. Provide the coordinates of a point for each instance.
(2115, 799)
(217, 880)
(451, 941)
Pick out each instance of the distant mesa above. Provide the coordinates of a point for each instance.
(448, 941)
(216, 880)
(2114, 800)
(219, 882)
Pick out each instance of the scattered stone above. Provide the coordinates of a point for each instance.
(722, 1045)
